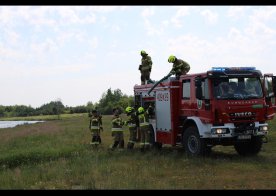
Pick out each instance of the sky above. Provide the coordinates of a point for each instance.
(76, 53)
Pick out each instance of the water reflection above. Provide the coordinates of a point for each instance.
(10, 124)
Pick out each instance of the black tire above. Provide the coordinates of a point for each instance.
(193, 144)
(157, 145)
(249, 148)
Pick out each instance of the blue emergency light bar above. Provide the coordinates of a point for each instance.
(222, 69)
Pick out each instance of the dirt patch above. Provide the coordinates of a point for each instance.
(49, 127)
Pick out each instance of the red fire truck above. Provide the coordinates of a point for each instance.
(223, 106)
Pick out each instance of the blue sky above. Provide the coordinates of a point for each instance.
(75, 53)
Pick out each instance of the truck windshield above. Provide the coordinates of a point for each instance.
(237, 88)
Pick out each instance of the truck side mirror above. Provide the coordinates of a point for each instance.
(198, 84)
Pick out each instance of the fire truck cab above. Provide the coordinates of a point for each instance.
(223, 106)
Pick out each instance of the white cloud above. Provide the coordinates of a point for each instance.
(209, 16)
(68, 14)
(236, 12)
(49, 45)
(114, 44)
(8, 53)
(151, 30)
(12, 36)
(47, 15)
(116, 54)
(75, 15)
(36, 47)
(261, 26)
(35, 15)
(72, 91)
(267, 13)
(104, 9)
(166, 23)
(176, 19)
(65, 35)
(258, 29)
(7, 15)
(93, 42)
(147, 13)
(120, 80)
(21, 72)
(102, 19)
(115, 28)
(234, 50)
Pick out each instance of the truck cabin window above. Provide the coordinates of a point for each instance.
(237, 88)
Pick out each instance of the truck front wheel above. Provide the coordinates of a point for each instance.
(248, 148)
(192, 143)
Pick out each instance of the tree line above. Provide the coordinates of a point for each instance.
(109, 100)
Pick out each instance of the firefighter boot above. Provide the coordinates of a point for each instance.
(130, 145)
(115, 145)
(147, 147)
(99, 139)
(150, 81)
(94, 142)
(142, 148)
(122, 144)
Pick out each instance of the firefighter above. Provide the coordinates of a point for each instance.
(117, 130)
(138, 134)
(132, 126)
(95, 127)
(144, 128)
(151, 111)
(179, 68)
(145, 68)
(224, 89)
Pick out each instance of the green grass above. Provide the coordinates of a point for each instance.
(57, 155)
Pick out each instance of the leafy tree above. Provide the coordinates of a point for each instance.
(54, 107)
(2, 111)
(114, 99)
(89, 106)
(109, 100)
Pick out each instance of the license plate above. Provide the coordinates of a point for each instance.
(244, 137)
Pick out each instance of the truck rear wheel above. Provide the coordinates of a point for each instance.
(251, 147)
(192, 143)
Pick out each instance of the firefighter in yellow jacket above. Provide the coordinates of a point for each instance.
(117, 130)
(132, 123)
(180, 67)
(145, 68)
(95, 127)
(144, 128)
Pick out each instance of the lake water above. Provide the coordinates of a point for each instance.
(10, 124)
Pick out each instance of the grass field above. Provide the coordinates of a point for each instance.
(57, 155)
